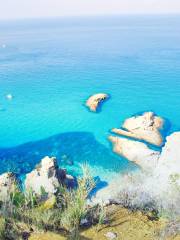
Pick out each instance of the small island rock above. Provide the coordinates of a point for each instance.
(144, 127)
(93, 102)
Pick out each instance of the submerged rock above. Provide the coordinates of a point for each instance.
(46, 177)
(145, 127)
(93, 102)
(8, 184)
(136, 152)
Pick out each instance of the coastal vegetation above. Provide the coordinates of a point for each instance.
(63, 212)
(53, 202)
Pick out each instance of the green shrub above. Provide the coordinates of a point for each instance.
(76, 203)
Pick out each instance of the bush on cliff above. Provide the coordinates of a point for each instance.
(62, 212)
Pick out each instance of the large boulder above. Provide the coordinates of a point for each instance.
(8, 184)
(47, 177)
(93, 102)
(144, 127)
(135, 151)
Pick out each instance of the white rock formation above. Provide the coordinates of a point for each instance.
(8, 183)
(161, 186)
(93, 102)
(136, 152)
(169, 161)
(145, 127)
(47, 176)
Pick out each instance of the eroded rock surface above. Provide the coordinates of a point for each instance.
(46, 176)
(93, 102)
(169, 161)
(136, 152)
(144, 127)
(159, 188)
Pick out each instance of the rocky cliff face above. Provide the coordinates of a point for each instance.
(158, 186)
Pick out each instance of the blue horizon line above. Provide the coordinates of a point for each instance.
(19, 19)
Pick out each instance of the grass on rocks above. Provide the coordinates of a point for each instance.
(60, 213)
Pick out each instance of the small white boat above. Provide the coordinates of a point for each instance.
(9, 96)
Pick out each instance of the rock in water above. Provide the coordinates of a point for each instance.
(47, 176)
(94, 101)
(136, 152)
(8, 184)
(145, 127)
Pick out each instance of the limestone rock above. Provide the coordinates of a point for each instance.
(169, 161)
(171, 151)
(46, 176)
(93, 102)
(144, 127)
(136, 152)
(8, 184)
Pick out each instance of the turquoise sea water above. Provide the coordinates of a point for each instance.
(52, 66)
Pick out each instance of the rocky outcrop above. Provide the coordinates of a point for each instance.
(159, 188)
(47, 176)
(144, 127)
(171, 151)
(136, 152)
(94, 101)
(8, 184)
(169, 161)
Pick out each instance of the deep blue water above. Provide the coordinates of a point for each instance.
(52, 66)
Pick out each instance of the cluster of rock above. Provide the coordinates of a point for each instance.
(159, 182)
(144, 127)
(47, 176)
(94, 101)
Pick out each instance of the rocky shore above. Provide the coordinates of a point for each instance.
(135, 151)
(144, 127)
(157, 183)
(154, 188)
(47, 177)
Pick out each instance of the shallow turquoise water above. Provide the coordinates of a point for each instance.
(52, 66)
